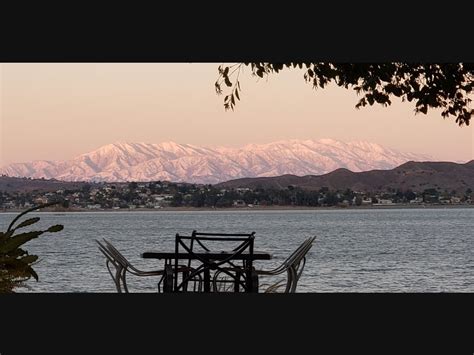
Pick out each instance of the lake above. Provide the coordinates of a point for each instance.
(369, 250)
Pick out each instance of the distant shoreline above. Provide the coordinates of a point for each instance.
(255, 208)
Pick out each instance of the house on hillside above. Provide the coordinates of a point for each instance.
(239, 203)
(366, 201)
(41, 200)
(455, 199)
(242, 190)
(94, 206)
(383, 201)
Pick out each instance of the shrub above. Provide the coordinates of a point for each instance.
(15, 262)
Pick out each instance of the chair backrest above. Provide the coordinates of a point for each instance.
(202, 238)
(122, 266)
(299, 254)
(297, 261)
(198, 244)
(119, 256)
(116, 260)
(293, 265)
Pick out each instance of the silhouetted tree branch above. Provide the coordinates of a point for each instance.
(444, 86)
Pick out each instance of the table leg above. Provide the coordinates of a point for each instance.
(207, 280)
(168, 280)
(252, 281)
(238, 274)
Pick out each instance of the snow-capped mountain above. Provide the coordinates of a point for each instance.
(189, 163)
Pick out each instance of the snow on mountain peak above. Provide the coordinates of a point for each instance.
(127, 161)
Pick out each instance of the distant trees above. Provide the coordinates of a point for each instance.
(331, 198)
(177, 200)
(86, 188)
(430, 195)
(446, 86)
(409, 195)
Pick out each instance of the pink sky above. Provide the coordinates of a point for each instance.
(57, 111)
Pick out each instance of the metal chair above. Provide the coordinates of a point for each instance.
(198, 244)
(293, 267)
(122, 266)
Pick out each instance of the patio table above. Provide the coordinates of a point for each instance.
(168, 257)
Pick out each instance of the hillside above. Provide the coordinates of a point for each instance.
(14, 184)
(416, 176)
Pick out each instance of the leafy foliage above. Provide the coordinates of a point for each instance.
(446, 86)
(15, 262)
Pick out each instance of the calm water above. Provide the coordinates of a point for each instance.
(386, 250)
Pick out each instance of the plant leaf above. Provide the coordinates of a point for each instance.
(29, 259)
(32, 273)
(17, 240)
(55, 228)
(28, 222)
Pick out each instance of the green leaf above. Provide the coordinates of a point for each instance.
(17, 253)
(55, 228)
(9, 234)
(28, 222)
(29, 259)
(17, 240)
(33, 273)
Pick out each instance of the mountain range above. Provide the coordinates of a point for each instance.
(172, 161)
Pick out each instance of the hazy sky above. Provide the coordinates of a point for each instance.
(57, 111)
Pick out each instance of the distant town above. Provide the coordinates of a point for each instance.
(159, 194)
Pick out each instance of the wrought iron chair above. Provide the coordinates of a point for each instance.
(122, 266)
(198, 245)
(293, 267)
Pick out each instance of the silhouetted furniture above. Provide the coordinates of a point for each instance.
(198, 246)
(169, 258)
(122, 266)
(208, 254)
(293, 268)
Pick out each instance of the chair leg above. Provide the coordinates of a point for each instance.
(294, 280)
(117, 281)
(124, 281)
